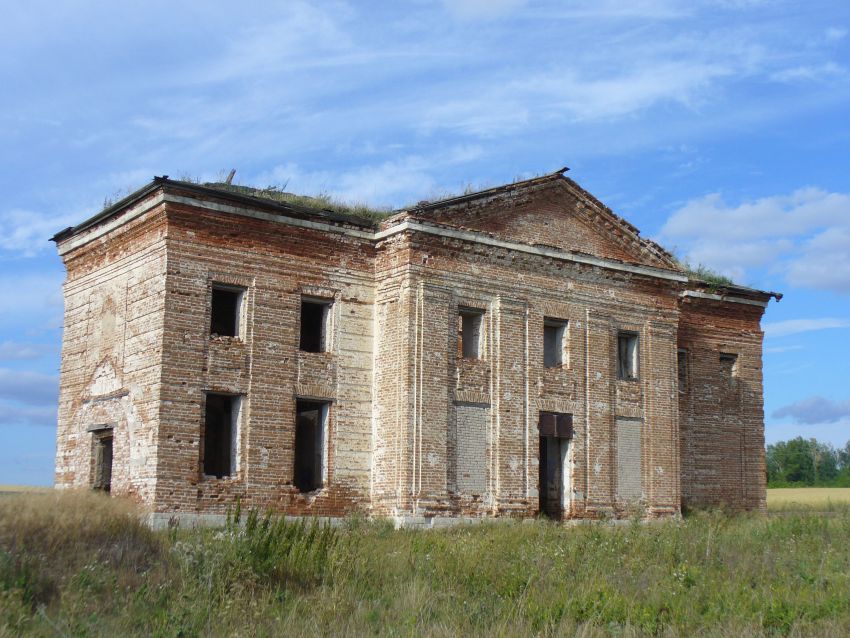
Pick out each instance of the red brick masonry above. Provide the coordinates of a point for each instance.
(413, 429)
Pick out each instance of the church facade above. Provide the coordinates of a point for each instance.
(517, 351)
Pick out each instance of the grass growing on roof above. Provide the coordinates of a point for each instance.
(320, 202)
(91, 570)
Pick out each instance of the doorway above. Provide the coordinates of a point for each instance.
(555, 435)
(103, 463)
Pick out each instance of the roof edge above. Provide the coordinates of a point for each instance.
(487, 192)
(163, 181)
(734, 289)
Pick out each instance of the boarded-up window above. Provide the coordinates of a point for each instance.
(629, 486)
(310, 426)
(226, 310)
(627, 355)
(554, 342)
(220, 434)
(315, 322)
(470, 334)
(471, 448)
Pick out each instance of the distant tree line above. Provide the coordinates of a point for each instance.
(807, 463)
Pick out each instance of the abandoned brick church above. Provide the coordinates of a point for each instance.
(514, 351)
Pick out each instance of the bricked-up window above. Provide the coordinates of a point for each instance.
(554, 343)
(310, 425)
(627, 355)
(682, 368)
(315, 324)
(729, 366)
(220, 434)
(226, 310)
(470, 333)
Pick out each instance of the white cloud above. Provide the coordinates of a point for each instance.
(13, 414)
(796, 326)
(13, 350)
(834, 34)
(780, 349)
(392, 183)
(804, 236)
(31, 388)
(825, 71)
(814, 409)
(34, 295)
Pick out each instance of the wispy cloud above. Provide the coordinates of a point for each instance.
(15, 414)
(796, 326)
(391, 183)
(27, 232)
(781, 349)
(14, 350)
(482, 9)
(815, 409)
(31, 388)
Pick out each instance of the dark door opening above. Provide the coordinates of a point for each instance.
(310, 419)
(103, 463)
(551, 479)
(556, 430)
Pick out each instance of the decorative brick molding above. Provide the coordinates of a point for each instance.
(469, 396)
(559, 405)
(315, 391)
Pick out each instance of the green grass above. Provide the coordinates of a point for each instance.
(81, 564)
(320, 202)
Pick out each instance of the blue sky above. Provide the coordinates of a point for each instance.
(719, 127)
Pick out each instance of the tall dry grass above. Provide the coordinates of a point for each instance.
(707, 575)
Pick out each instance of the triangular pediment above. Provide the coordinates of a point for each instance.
(554, 212)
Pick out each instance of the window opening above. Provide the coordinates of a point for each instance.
(220, 435)
(682, 369)
(729, 366)
(310, 425)
(225, 311)
(554, 342)
(315, 316)
(627, 355)
(470, 333)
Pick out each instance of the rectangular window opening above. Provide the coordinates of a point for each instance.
(103, 463)
(729, 366)
(682, 369)
(220, 434)
(226, 310)
(627, 355)
(470, 335)
(554, 343)
(310, 425)
(315, 320)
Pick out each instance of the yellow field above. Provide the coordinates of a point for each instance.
(816, 498)
(18, 489)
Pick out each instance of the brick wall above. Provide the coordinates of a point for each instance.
(722, 417)
(413, 427)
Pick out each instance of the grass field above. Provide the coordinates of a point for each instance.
(80, 564)
(811, 498)
(18, 489)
